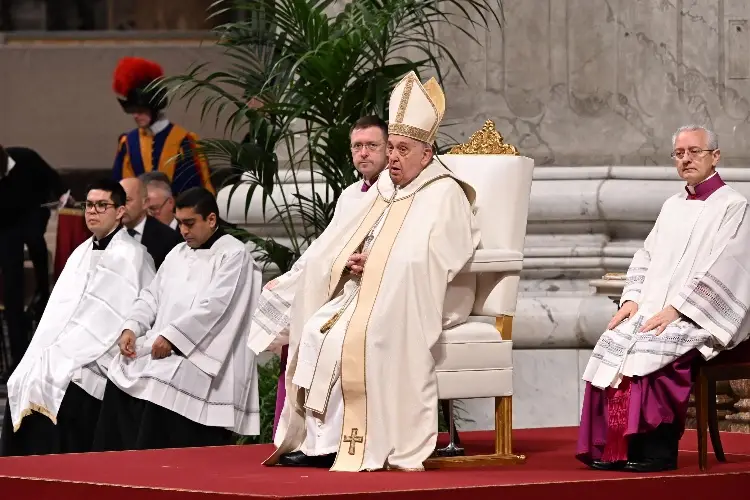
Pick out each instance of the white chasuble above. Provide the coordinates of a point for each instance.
(83, 318)
(201, 301)
(686, 239)
(271, 321)
(380, 344)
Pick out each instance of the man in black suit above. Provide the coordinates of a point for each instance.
(159, 239)
(26, 183)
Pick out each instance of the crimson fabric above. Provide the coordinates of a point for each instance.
(641, 404)
(71, 232)
(705, 188)
(223, 473)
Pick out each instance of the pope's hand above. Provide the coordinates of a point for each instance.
(628, 309)
(661, 320)
(161, 348)
(127, 343)
(356, 263)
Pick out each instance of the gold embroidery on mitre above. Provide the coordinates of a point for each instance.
(487, 141)
(420, 108)
(404, 101)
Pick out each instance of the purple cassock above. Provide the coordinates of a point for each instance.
(640, 404)
(281, 388)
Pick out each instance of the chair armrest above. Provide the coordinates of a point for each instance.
(494, 261)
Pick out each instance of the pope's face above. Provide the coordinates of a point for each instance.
(406, 158)
(195, 229)
(694, 161)
(101, 214)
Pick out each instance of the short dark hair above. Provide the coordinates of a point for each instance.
(112, 187)
(154, 175)
(371, 121)
(199, 199)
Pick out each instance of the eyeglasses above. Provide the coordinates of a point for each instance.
(98, 206)
(371, 146)
(155, 209)
(679, 154)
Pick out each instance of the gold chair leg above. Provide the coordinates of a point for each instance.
(503, 443)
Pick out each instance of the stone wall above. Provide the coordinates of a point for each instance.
(602, 82)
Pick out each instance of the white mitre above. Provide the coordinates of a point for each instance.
(416, 110)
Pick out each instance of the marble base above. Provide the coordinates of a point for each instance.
(547, 391)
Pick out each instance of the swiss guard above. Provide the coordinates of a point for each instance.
(156, 143)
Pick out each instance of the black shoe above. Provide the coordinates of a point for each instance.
(651, 465)
(601, 465)
(299, 459)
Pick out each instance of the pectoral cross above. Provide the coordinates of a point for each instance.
(353, 439)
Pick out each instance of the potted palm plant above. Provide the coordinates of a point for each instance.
(300, 73)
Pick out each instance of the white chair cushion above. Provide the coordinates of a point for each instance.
(471, 346)
(475, 384)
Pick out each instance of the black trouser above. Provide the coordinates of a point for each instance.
(37, 435)
(11, 266)
(34, 229)
(128, 423)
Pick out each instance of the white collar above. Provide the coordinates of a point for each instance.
(139, 227)
(11, 164)
(173, 224)
(159, 125)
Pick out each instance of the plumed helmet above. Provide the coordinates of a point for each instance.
(131, 78)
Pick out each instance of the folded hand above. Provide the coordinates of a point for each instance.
(161, 348)
(661, 320)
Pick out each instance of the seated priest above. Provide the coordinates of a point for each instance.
(368, 305)
(102, 278)
(638, 379)
(183, 375)
(368, 137)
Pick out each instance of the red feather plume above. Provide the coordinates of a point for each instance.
(134, 72)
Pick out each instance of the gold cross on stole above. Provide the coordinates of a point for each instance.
(353, 439)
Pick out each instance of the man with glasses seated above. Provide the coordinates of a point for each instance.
(638, 379)
(160, 200)
(95, 292)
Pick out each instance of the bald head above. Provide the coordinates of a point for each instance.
(135, 201)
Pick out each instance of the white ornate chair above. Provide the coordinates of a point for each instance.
(474, 359)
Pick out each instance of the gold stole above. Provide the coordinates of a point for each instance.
(353, 355)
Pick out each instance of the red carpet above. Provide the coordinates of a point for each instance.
(236, 472)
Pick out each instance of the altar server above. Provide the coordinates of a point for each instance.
(102, 278)
(156, 144)
(183, 375)
(638, 379)
(368, 303)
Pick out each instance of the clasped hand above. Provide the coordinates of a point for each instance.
(160, 349)
(658, 321)
(356, 263)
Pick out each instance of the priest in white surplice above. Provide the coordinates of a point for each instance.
(368, 138)
(369, 305)
(183, 375)
(638, 379)
(102, 278)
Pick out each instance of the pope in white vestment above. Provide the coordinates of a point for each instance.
(639, 375)
(183, 375)
(368, 145)
(102, 278)
(368, 306)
